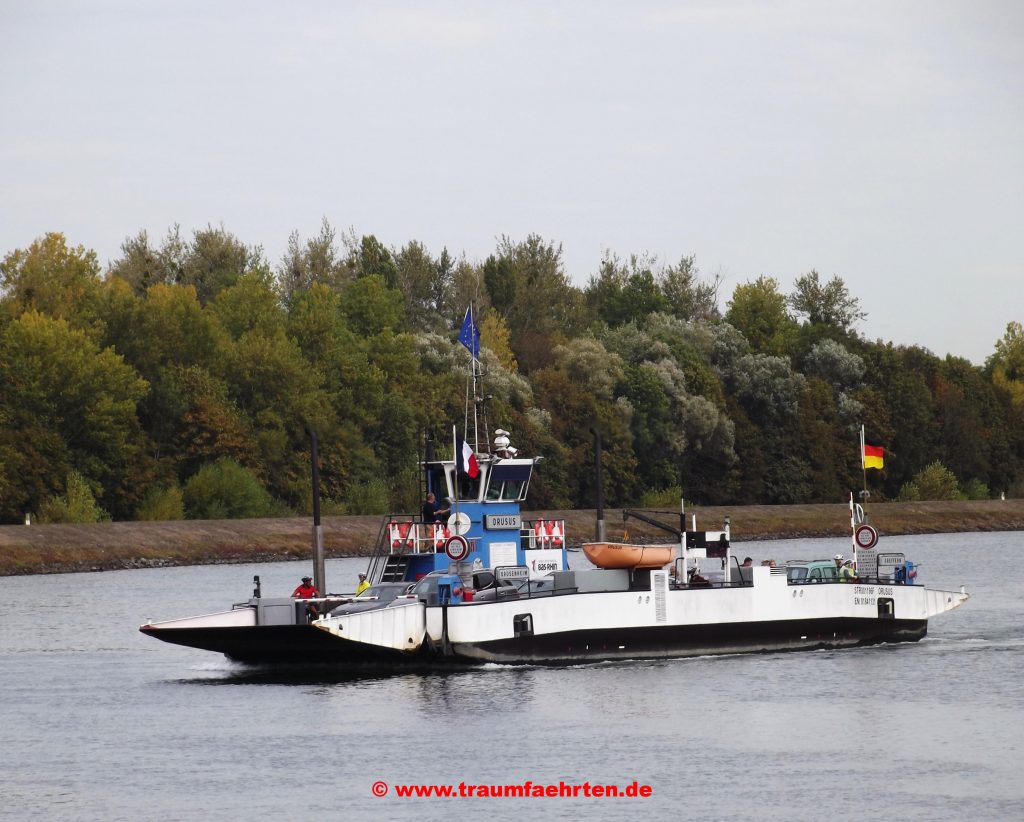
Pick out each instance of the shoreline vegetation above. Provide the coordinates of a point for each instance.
(49, 549)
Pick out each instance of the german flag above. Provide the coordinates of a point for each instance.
(873, 455)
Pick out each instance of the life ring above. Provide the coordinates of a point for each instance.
(456, 547)
(866, 536)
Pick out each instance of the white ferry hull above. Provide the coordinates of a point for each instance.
(661, 622)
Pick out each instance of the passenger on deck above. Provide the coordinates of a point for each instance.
(307, 591)
(432, 510)
(747, 563)
(696, 580)
(363, 584)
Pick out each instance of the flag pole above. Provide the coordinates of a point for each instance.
(863, 467)
(853, 531)
(476, 393)
(457, 457)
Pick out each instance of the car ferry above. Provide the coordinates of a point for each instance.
(484, 584)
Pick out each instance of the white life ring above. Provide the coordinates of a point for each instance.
(459, 523)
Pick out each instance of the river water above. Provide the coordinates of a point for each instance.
(99, 722)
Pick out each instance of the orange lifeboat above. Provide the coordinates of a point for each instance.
(624, 555)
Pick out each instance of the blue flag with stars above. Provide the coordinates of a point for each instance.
(469, 336)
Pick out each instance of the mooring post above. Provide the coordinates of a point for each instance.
(319, 569)
(599, 536)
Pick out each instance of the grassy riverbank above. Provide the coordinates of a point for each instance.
(40, 549)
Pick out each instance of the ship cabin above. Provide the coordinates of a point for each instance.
(482, 528)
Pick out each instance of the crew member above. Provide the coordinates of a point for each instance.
(846, 572)
(432, 510)
(363, 584)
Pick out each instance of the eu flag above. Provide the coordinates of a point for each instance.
(469, 336)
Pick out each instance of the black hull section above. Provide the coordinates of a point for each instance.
(281, 644)
(669, 641)
(304, 644)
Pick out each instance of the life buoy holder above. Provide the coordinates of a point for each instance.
(866, 536)
(456, 547)
(403, 536)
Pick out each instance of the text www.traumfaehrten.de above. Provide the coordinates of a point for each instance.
(634, 790)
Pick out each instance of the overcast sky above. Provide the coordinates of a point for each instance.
(879, 141)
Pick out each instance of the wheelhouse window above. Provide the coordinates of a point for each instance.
(509, 481)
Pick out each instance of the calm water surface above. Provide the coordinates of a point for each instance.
(99, 722)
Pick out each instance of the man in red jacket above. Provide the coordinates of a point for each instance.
(307, 591)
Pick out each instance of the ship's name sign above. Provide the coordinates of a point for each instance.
(860, 590)
(500, 522)
(512, 572)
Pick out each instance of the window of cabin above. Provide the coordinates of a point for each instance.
(508, 482)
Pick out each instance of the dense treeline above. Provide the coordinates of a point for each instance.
(181, 381)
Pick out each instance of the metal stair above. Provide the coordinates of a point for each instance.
(395, 568)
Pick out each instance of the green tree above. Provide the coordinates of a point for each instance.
(250, 304)
(372, 259)
(316, 261)
(369, 306)
(165, 327)
(825, 303)
(494, 334)
(934, 482)
(657, 443)
(578, 392)
(162, 504)
(52, 278)
(215, 259)
(689, 296)
(76, 505)
(624, 292)
(1007, 364)
(758, 311)
(207, 422)
(226, 490)
(528, 286)
(142, 265)
(424, 283)
(67, 405)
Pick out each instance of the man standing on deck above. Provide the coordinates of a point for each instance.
(363, 584)
(432, 510)
(306, 590)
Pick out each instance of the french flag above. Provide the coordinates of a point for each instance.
(466, 460)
